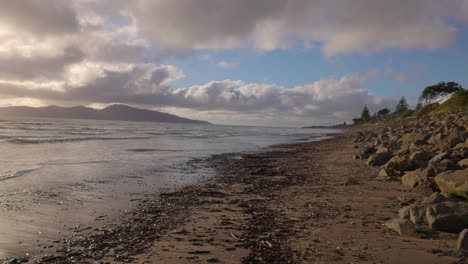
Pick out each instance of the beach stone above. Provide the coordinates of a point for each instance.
(463, 163)
(420, 159)
(417, 214)
(402, 226)
(461, 153)
(454, 138)
(448, 216)
(462, 243)
(366, 152)
(454, 182)
(381, 156)
(398, 163)
(436, 198)
(439, 141)
(413, 178)
(439, 157)
(404, 212)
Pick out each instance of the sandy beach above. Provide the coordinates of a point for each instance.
(302, 203)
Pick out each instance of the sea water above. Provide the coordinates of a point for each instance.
(59, 174)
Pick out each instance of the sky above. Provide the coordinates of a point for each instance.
(244, 62)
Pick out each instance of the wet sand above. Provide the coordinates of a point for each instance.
(304, 203)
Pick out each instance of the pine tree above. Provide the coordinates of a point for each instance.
(365, 115)
(402, 105)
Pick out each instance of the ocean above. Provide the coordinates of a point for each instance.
(57, 175)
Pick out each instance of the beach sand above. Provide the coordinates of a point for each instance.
(303, 203)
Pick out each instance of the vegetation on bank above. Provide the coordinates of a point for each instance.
(440, 97)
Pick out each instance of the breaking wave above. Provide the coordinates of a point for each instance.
(67, 139)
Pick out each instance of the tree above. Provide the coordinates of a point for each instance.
(438, 91)
(402, 105)
(365, 115)
(383, 112)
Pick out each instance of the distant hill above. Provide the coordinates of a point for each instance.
(113, 112)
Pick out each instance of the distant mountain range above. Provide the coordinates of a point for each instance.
(113, 112)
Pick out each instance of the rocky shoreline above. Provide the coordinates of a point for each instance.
(429, 155)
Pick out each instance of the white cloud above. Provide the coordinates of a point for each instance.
(226, 65)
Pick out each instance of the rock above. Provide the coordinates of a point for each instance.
(398, 163)
(366, 152)
(463, 163)
(420, 159)
(439, 157)
(424, 189)
(446, 165)
(402, 226)
(413, 178)
(454, 138)
(439, 140)
(462, 243)
(404, 213)
(454, 182)
(448, 216)
(417, 214)
(461, 153)
(435, 198)
(380, 157)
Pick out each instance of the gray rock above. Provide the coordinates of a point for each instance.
(448, 216)
(454, 182)
(462, 243)
(402, 226)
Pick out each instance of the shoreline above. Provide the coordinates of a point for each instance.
(284, 205)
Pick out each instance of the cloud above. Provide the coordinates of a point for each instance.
(39, 17)
(226, 65)
(340, 26)
(325, 101)
(400, 77)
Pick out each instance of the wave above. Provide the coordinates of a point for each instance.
(63, 140)
(73, 163)
(151, 150)
(87, 133)
(14, 174)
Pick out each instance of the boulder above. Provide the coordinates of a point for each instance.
(417, 214)
(366, 152)
(413, 178)
(436, 198)
(398, 163)
(381, 156)
(439, 140)
(462, 243)
(455, 137)
(420, 159)
(447, 165)
(454, 182)
(404, 212)
(402, 226)
(463, 163)
(461, 153)
(448, 216)
(439, 157)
